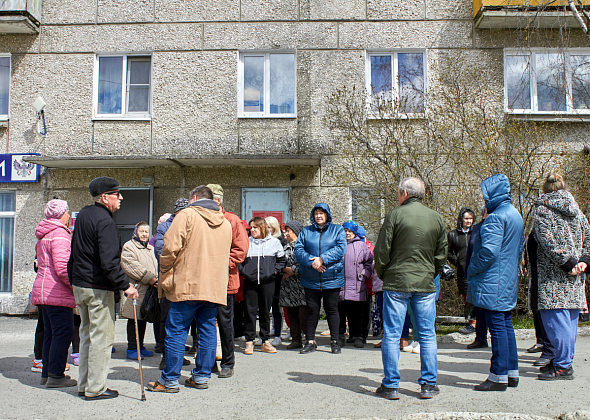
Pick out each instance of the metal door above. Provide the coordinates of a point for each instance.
(137, 206)
(264, 202)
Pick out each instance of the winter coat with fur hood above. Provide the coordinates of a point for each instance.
(560, 240)
(52, 286)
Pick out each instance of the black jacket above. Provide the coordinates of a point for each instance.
(458, 242)
(95, 261)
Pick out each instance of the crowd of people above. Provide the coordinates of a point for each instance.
(219, 277)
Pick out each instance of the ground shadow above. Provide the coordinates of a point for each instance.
(356, 384)
(19, 368)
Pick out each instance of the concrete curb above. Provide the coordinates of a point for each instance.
(520, 335)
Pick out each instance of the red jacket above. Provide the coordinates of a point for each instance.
(238, 251)
(51, 286)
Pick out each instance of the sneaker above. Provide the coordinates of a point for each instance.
(294, 345)
(258, 342)
(388, 393)
(429, 391)
(335, 347)
(416, 349)
(146, 353)
(488, 385)
(267, 347)
(37, 366)
(410, 347)
(249, 348)
(276, 341)
(325, 333)
(241, 338)
(308, 348)
(67, 367)
(469, 329)
(358, 343)
(75, 357)
(547, 367)
(557, 373)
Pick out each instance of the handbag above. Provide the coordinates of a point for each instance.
(150, 307)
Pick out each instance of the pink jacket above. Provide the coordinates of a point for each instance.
(52, 286)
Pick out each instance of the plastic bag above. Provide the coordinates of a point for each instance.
(150, 307)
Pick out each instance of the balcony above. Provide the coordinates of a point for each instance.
(521, 14)
(20, 16)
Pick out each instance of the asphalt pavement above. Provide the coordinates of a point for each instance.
(287, 385)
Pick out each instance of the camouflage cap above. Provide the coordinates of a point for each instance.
(216, 188)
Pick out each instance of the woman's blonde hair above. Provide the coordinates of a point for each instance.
(274, 225)
(554, 182)
(260, 223)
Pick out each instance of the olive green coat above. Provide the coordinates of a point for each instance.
(411, 248)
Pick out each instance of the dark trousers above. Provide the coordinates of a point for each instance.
(277, 316)
(481, 328)
(59, 324)
(76, 334)
(225, 321)
(164, 308)
(258, 297)
(313, 298)
(541, 333)
(239, 319)
(367, 318)
(141, 326)
(504, 362)
(39, 335)
(353, 311)
(298, 320)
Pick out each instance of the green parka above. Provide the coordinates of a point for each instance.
(411, 248)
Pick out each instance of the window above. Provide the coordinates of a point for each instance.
(267, 85)
(4, 86)
(399, 77)
(123, 87)
(7, 213)
(547, 82)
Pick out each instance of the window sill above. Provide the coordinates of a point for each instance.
(555, 117)
(419, 116)
(278, 116)
(121, 118)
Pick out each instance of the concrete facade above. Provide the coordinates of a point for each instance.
(195, 48)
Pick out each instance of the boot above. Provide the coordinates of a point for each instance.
(268, 348)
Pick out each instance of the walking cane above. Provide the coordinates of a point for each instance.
(138, 349)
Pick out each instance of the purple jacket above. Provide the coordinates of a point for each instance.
(51, 286)
(358, 267)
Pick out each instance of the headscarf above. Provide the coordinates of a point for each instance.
(352, 226)
(362, 233)
(136, 238)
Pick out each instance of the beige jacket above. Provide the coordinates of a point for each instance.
(140, 265)
(195, 258)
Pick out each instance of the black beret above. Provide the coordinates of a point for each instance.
(103, 184)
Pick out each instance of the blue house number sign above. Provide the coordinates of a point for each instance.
(14, 169)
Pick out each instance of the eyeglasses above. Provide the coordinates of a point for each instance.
(114, 193)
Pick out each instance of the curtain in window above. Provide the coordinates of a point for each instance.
(110, 75)
(253, 84)
(282, 83)
(4, 84)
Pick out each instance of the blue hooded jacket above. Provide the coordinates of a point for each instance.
(493, 269)
(327, 242)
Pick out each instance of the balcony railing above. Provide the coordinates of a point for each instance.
(20, 16)
(497, 14)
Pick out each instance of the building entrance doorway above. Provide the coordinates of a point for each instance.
(137, 206)
(264, 202)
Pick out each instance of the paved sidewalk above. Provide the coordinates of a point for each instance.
(288, 385)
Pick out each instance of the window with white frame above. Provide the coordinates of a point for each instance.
(122, 87)
(399, 77)
(7, 214)
(547, 81)
(267, 85)
(4, 85)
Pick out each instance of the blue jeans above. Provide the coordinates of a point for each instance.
(395, 305)
(561, 327)
(179, 320)
(504, 362)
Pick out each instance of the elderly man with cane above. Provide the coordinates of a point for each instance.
(94, 269)
(193, 277)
